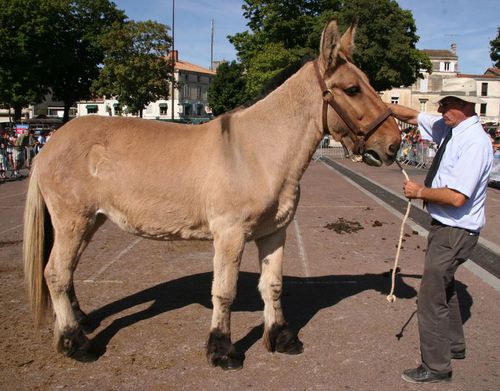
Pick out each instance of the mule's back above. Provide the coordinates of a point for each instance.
(141, 174)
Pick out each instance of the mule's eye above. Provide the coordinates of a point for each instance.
(351, 91)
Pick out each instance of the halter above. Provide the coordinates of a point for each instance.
(359, 135)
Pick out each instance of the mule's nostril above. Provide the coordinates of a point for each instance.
(393, 149)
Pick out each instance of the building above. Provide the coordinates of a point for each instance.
(419, 95)
(445, 65)
(189, 101)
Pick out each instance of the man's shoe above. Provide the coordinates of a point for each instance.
(422, 375)
(458, 355)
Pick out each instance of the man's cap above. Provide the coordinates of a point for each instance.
(461, 88)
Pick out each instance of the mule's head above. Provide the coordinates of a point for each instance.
(357, 116)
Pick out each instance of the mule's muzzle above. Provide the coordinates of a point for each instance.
(372, 158)
(375, 157)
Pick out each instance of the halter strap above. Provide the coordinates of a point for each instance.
(358, 135)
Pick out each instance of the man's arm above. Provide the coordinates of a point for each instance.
(443, 196)
(404, 113)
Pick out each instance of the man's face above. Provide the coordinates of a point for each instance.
(452, 110)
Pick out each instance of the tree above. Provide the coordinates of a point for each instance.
(51, 46)
(227, 89)
(76, 53)
(283, 31)
(24, 45)
(495, 50)
(135, 69)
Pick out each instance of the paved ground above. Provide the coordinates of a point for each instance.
(150, 304)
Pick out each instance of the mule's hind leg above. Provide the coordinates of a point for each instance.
(70, 238)
(277, 336)
(228, 249)
(81, 316)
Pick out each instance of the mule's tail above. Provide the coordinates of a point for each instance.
(37, 243)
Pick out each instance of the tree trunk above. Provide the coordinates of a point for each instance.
(67, 106)
(18, 109)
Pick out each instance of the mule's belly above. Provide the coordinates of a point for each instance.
(157, 228)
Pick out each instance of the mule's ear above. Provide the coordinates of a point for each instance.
(330, 44)
(347, 40)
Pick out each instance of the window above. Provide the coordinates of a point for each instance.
(91, 109)
(484, 89)
(188, 110)
(483, 109)
(185, 91)
(446, 66)
(163, 108)
(423, 104)
(118, 108)
(424, 85)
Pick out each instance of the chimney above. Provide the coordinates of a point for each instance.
(454, 48)
(173, 55)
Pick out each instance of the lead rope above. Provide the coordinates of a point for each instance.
(391, 298)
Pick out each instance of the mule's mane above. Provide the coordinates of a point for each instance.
(279, 79)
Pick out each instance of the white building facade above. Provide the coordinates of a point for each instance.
(187, 103)
(423, 92)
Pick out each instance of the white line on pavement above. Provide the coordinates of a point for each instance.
(116, 258)
(302, 249)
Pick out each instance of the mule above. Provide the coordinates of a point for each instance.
(232, 180)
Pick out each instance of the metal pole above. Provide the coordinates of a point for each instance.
(173, 55)
(212, 48)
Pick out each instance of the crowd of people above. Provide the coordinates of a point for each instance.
(18, 147)
(419, 152)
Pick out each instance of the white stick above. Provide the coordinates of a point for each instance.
(391, 297)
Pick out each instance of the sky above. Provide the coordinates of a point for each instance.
(471, 24)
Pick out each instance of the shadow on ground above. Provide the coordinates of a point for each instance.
(302, 299)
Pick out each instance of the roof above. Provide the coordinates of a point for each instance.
(187, 66)
(473, 76)
(440, 53)
(494, 71)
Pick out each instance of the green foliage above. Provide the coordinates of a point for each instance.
(227, 90)
(51, 45)
(76, 53)
(282, 31)
(24, 44)
(495, 50)
(135, 69)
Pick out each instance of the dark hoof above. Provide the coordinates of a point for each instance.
(86, 324)
(73, 343)
(222, 353)
(283, 340)
(85, 355)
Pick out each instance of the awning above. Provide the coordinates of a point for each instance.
(163, 105)
(91, 107)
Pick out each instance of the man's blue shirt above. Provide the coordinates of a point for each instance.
(465, 167)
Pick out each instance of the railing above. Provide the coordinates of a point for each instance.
(419, 154)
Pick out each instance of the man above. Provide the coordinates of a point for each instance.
(454, 194)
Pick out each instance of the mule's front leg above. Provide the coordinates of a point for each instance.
(220, 350)
(277, 336)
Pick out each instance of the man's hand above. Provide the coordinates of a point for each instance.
(412, 190)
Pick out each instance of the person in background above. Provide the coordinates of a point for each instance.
(20, 152)
(4, 165)
(454, 194)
